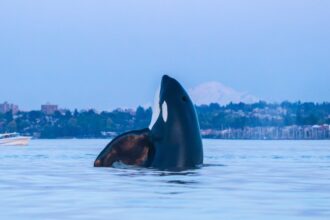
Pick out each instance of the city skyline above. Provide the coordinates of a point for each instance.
(112, 54)
(50, 108)
(234, 121)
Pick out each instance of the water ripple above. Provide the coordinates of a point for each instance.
(239, 180)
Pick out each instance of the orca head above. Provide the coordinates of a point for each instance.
(174, 128)
(172, 141)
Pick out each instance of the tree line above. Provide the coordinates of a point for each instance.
(93, 124)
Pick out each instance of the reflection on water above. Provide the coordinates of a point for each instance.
(55, 179)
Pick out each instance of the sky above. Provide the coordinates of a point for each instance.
(105, 54)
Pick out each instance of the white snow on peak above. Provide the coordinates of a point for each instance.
(216, 92)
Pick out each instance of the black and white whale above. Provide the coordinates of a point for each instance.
(172, 141)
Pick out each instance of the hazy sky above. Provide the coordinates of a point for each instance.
(106, 54)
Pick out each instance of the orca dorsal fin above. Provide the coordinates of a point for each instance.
(130, 148)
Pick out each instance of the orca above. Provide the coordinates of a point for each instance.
(171, 142)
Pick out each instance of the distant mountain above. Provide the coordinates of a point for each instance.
(216, 92)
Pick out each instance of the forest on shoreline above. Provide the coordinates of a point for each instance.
(213, 117)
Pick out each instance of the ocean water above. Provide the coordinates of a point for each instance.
(55, 179)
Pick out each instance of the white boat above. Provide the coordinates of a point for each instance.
(13, 139)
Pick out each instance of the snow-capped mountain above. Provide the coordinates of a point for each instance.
(216, 92)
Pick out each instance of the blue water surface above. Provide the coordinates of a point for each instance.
(55, 179)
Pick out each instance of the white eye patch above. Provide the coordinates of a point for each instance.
(155, 109)
(164, 111)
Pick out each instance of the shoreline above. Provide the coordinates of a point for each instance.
(204, 138)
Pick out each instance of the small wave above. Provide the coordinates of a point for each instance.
(214, 165)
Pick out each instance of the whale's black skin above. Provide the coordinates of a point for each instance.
(172, 142)
(177, 142)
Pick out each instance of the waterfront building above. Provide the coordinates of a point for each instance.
(7, 107)
(49, 109)
(294, 132)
